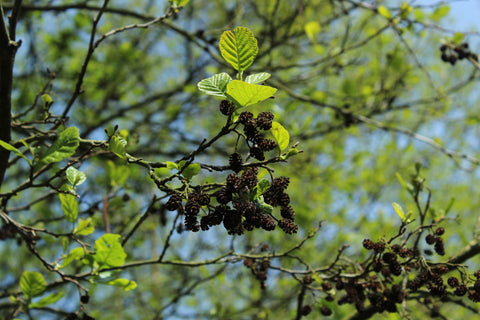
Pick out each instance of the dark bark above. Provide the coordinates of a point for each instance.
(8, 48)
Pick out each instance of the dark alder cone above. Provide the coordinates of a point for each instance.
(246, 118)
(233, 182)
(174, 202)
(287, 212)
(203, 199)
(306, 310)
(453, 282)
(257, 153)
(268, 223)
(85, 298)
(439, 248)
(368, 244)
(267, 144)
(326, 311)
(379, 247)
(430, 239)
(224, 196)
(249, 178)
(264, 120)
(235, 162)
(461, 290)
(288, 226)
(192, 208)
(226, 107)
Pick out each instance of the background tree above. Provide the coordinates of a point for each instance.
(104, 131)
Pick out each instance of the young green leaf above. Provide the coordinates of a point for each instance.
(192, 170)
(69, 206)
(383, 11)
(399, 210)
(239, 48)
(11, 148)
(84, 227)
(281, 135)
(117, 145)
(109, 251)
(50, 299)
(64, 147)
(246, 94)
(312, 28)
(75, 176)
(257, 77)
(216, 85)
(126, 284)
(73, 255)
(32, 284)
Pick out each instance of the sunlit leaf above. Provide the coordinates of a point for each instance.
(239, 48)
(32, 284)
(246, 94)
(216, 85)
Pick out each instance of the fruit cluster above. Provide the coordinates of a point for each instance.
(451, 54)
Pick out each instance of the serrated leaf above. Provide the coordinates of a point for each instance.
(312, 28)
(239, 48)
(192, 170)
(399, 210)
(11, 148)
(75, 176)
(257, 77)
(245, 94)
(84, 227)
(32, 284)
(117, 145)
(65, 146)
(109, 251)
(50, 299)
(126, 284)
(383, 11)
(216, 85)
(73, 255)
(281, 135)
(69, 206)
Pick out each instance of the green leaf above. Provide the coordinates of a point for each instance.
(171, 165)
(458, 38)
(32, 284)
(69, 206)
(117, 145)
(239, 48)
(75, 176)
(84, 227)
(215, 85)
(281, 135)
(440, 12)
(64, 147)
(51, 298)
(261, 187)
(109, 251)
(246, 94)
(11, 148)
(257, 77)
(192, 170)
(126, 284)
(47, 101)
(399, 210)
(312, 28)
(74, 255)
(383, 11)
